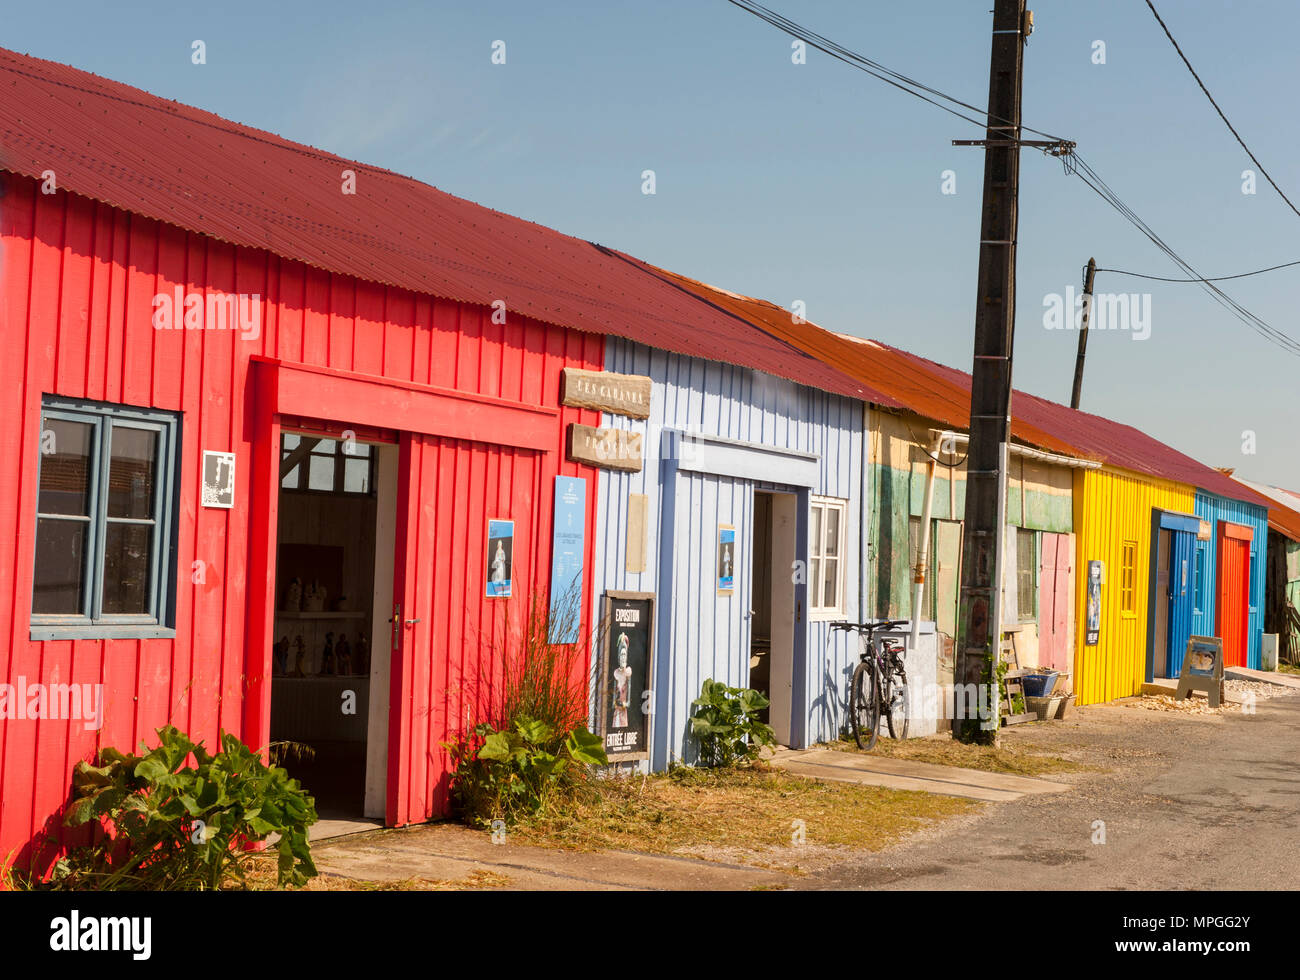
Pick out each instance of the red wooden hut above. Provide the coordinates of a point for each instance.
(254, 393)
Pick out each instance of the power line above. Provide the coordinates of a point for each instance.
(1073, 163)
(1242, 275)
(1231, 128)
(874, 68)
(1094, 181)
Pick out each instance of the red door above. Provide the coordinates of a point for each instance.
(1232, 602)
(1054, 602)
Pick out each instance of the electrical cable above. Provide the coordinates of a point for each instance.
(876, 69)
(1073, 164)
(1241, 275)
(1231, 128)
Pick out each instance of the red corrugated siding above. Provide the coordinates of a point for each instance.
(1232, 605)
(78, 280)
(190, 168)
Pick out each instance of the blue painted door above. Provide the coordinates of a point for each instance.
(1182, 570)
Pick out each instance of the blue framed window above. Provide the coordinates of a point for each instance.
(105, 521)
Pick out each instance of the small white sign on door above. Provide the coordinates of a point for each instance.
(218, 479)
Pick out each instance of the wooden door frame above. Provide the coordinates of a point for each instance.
(1246, 535)
(276, 390)
(1174, 522)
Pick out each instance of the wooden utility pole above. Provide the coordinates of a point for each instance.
(979, 629)
(1088, 277)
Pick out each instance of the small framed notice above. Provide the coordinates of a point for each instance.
(1202, 669)
(1096, 578)
(218, 479)
(500, 558)
(726, 559)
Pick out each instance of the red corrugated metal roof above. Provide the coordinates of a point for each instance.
(196, 170)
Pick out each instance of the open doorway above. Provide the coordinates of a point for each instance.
(334, 593)
(772, 610)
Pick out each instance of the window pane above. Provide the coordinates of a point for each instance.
(60, 567)
(815, 532)
(326, 447)
(321, 474)
(290, 480)
(814, 580)
(832, 583)
(126, 568)
(131, 472)
(291, 440)
(65, 467)
(832, 531)
(356, 475)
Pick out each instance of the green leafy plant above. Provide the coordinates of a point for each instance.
(508, 772)
(177, 826)
(533, 750)
(726, 723)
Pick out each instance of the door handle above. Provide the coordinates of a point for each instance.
(411, 622)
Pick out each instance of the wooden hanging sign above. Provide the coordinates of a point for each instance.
(619, 394)
(610, 449)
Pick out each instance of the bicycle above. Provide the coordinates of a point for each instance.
(878, 685)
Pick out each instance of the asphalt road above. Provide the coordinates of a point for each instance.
(1185, 802)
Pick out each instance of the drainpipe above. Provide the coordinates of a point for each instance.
(864, 539)
(923, 553)
(999, 563)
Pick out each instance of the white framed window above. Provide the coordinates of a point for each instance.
(827, 528)
(1027, 574)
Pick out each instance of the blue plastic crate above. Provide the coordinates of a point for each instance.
(1040, 685)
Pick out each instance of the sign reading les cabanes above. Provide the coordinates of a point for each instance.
(619, 394)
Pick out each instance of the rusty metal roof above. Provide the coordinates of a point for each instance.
(1098, 438)
(187, 167)
(898, 379)
(1283, 508)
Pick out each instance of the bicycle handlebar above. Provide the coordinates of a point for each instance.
(871, 627)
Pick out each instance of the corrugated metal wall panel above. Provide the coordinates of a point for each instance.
(699, 633)
(1214, 508)
(76, 305)
(1112, 508)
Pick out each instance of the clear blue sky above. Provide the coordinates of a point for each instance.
(812, 182)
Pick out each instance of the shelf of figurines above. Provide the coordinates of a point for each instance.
(321, 654)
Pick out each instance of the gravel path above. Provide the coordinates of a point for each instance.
(1179, 801)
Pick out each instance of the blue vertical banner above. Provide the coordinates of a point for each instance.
(568, 542)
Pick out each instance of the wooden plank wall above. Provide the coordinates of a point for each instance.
(710, 634)
(78, 281)
(1213, 508)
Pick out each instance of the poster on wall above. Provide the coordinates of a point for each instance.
(1095, 577)
(627, 656)
(568, 536)
(500, 557)
(218, 479)
(726, 559)
(1202, 669)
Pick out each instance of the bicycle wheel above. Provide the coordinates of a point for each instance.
(864, 705)
(897, 707)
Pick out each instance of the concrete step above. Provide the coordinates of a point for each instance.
(873, 770)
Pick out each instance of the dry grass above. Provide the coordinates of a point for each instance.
(1011, 756)
(746, 815)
